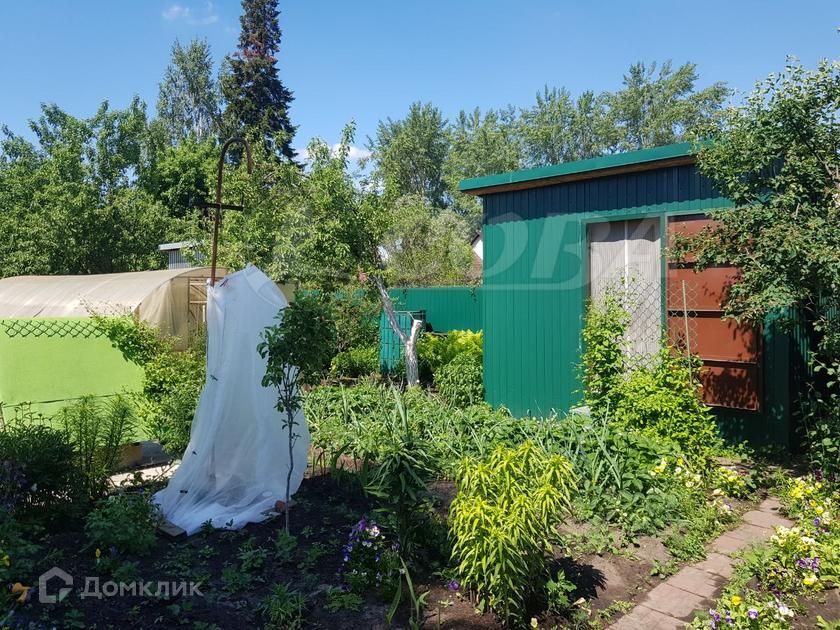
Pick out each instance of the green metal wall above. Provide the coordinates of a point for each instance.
(443, 309)
(447, 308)
(535, 266)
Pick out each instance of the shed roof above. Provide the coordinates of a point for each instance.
(73, 296)
(645, 159)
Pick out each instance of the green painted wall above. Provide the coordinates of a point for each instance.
(535, 287)
(52, 360)
(447, 308)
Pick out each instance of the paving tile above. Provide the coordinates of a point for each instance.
(644, 618)
(697, 582)
(771, 504)
(768, 520)
(716, 563)
(727, 544)
(673, 601)
(750, 533)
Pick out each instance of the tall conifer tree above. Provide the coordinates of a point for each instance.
(256, 98)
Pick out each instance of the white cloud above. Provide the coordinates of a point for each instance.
(181, 12)
(176, 12)
(356, 153)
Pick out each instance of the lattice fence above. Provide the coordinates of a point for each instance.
(77, 328)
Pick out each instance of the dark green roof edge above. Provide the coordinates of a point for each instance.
(655, 154)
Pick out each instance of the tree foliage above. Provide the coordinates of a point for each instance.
(70, 202)
(777, 159)
(188, 100)
(256, 98)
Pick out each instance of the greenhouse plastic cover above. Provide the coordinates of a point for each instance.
(160, 298)
(236, 464)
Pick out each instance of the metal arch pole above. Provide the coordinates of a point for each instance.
(218, 205)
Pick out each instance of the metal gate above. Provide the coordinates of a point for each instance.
(390, 345)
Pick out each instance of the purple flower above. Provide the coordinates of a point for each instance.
(715, 614)
(815, 564)
(803, 563)
(452, 585)
(752, 613)
(817, 522)
(818, 474)
(729, 619)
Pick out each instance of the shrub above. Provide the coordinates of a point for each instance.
(501, 522)
(172, 380)
(461, 381)
(97, 431)
(436, 351)
(126, 522)
(664, 400)
(37, 472)
(356, 362)
(603, 361)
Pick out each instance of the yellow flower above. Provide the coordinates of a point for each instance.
(534, 622)
(6, 561)
(98, 553)
(812, 503)
(736, 599)
(809, 580)
(819, 510)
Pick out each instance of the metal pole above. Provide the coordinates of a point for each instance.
(219, 206)
(687, 338)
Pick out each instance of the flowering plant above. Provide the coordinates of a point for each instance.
(730, 482)
(370, 560)
(751, 611)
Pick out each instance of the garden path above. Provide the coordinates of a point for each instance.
(672, 604)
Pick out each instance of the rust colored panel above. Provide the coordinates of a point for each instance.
(704, 290)
(688, 225)
(734, 387)
(716, 339)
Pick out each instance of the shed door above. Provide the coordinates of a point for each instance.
(731, 374)
(625, 256)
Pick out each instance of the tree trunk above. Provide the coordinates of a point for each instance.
(409, 342)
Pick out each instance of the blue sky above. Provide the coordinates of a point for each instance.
(366, 60)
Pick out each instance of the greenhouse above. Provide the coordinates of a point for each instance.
(50, 349)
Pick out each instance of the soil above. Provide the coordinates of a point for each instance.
(324, 510)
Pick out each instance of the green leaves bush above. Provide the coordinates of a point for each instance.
(356, 362)
(502, 524)
(126, 522)
(435, 351)
(461, 381)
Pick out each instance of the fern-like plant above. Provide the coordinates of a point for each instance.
(502, 523)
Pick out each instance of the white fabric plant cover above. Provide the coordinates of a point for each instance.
(235, 466)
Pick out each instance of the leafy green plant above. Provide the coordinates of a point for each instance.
(284, 546)
(501, 522)
(284, 608)
(418, 602)
(399, 477)
(38, 478)
(127, 522)
(339, 599)
(436, 351)
(97, 431)
(356, 362)
(557, 592)
(251, 557)
(461, 381)
(172, 379)
(603, 363)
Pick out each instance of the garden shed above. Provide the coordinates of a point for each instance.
(556, 236)
(50, 351)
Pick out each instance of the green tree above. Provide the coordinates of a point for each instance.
(409, 154)
(256, 98)
(426, 246)
(188, 97)
(559, 128)
(479, 145)
(70, 204)
(660, 108)
(776, 158)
